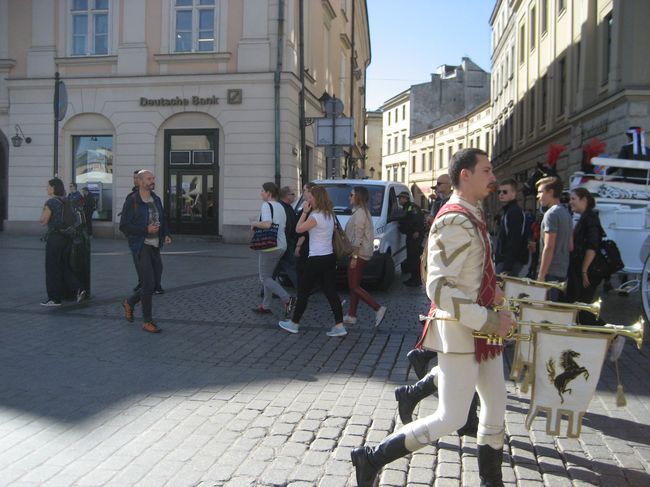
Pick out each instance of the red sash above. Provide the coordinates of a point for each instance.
(487, 291)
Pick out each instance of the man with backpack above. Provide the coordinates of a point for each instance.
(144, 224)
(511, 252)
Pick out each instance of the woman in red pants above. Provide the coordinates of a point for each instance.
(361, 233)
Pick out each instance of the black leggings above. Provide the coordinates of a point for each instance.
(321, 269)
(59, 278)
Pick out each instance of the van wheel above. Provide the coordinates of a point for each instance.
(388, 274)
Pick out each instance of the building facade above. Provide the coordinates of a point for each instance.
(431, 151)
(208, 94)
(372, 167)
(425, 124)
(565, 72)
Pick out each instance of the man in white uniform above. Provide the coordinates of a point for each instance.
(462, 287)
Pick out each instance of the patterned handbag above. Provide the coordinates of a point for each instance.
(265, 238)
(340, 241)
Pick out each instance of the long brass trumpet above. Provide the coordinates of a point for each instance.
(532, 282)
(593, 308)
(634, 331)
(491, 339)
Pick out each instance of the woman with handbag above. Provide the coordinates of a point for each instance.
(271, 224)
(361, 233)
(317, 218)
(587, 234)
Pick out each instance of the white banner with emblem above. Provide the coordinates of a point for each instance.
(567, 367)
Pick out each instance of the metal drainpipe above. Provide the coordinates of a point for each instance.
(351, 168)
(304, 168)
(276, 89)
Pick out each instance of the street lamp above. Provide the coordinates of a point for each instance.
(17, 140)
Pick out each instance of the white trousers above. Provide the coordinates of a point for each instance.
(457, 377)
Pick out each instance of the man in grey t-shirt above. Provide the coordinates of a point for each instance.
(556, 235)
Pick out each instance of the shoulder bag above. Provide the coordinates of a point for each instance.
(265, 238)
(340, 241)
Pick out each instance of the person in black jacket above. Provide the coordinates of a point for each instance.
(511, 251)
(587, 234)
(412, 225)
(288, 260)
(144, 223)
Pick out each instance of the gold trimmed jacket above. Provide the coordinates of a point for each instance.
(455, 262)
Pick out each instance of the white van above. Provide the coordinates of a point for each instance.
(389, 244)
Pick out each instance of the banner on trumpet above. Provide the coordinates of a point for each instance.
(566, 367)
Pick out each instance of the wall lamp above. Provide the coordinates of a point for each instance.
(17, 140)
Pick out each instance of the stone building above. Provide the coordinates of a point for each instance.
(565, 72)
(373, 155)
(453, 96)
(208, 94)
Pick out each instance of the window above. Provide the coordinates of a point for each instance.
(430, 160)
(544, 100)
(522, 44)
(388, 147)
(93, 168)
(89, 27)
(342, 76)
(531, 127)
(578, 60)
(396, 115)
(561, 86)
(607, 48)
(403, 141)
(543, 16)
(512, 61)
(413, 164)
(460, 146)
(521, 122)
(194, 22)
(403, 174)
(403, 112)
(423, 162)
(450, 153)
(533, 29)
(395, 144)
(440, 156)
(388, 118)
(561, 5)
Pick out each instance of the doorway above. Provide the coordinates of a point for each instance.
(192, 181)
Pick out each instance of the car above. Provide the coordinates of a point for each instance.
(389, 245)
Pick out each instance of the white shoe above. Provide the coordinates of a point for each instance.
(337, 331)
(350, 320)
(379, 316)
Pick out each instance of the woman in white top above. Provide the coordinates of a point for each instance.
(361, 233)
(272, 212)
(318, 219)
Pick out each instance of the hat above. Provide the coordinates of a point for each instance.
(404, 194)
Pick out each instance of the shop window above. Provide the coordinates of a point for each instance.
(93, 168)
(90, 27)
(194, 25)
(191, 150)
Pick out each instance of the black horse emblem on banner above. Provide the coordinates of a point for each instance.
(571, 371)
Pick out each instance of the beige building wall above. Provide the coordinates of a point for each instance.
(431, 151)
(105, 91)
(395, 135)
(579, 72)
(373, 169)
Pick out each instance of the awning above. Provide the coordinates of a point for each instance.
(424, 187)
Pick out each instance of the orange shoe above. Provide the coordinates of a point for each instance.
(151, 327)
(128, 311)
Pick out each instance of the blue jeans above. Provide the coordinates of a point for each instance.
(554, 294)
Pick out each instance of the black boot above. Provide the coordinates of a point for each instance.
(419, 360)
(409, 396)
(368, 461)
(489, 466)
(471, 426)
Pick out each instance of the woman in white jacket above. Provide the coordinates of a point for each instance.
(361, 233)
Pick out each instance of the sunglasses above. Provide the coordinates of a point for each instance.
(502, 191)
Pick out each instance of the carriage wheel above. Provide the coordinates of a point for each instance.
(645, 288)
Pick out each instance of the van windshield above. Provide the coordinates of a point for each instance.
(340, 196)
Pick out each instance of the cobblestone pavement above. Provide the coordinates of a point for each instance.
(222, 397)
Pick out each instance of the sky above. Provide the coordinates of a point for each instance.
(409, 39)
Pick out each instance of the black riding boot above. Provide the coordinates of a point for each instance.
(489, 466)
(409, 396)
(368, 461)
(471, 426)
(419, 360)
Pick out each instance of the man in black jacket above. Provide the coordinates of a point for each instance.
(288, 260)
(412, 225)
(511, 251)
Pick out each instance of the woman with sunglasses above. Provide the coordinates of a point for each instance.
(361, 233)
(317, 218)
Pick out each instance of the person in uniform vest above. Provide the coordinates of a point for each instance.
(411, 224)
(461, 284)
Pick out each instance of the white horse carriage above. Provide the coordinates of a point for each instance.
(623, 204)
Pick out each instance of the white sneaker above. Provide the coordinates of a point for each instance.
(51, 303)
(350, 320)
(379, 316)
(337, 331)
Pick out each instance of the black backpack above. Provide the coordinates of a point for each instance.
(72, 219)
(608, 260)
